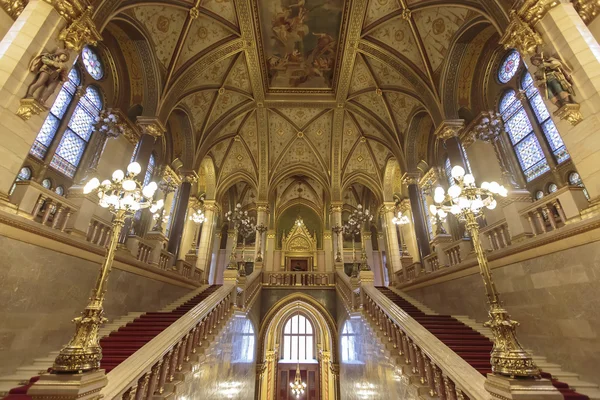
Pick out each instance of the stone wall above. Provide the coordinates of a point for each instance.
(554, 297)
(326, 297)
(41, 291)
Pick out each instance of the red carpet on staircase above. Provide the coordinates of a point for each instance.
(122, 343)
(469, 344)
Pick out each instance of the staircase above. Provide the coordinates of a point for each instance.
(465, 341)
(132, 332)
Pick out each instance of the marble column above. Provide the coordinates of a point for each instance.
(35, 31)
(566, 34)
(336, 220)
(388, 212)
(456, 153)
(214, 258)
(328, 249)
(270, 251)
(414, 194)
(205, 247)
(178, 219)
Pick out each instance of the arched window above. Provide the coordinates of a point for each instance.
(57, 111)
(135, 149)
(448, 171)
(348, 343)
(24, 175)
(77, 135)
(552, 188)
(92, 63)
(522, 137)
(509, 66)
(150, 169)
(543, 118)
(298, 339)
(244, 333)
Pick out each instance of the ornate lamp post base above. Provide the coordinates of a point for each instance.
(508, 356)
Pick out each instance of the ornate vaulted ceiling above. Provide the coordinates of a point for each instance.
(326, 89)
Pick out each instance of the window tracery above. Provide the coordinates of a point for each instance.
(298, 339)
(509, 66)
(92, 63)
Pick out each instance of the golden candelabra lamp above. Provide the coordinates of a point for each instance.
(466, 201)
(260, 229)
(359, 219)
(123, 196)
(197, 218)
(240, 221)
(298, 387)
(402, 219)
(338, 230)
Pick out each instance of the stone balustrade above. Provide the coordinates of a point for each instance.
(165, 259)
(432, 262)
(41, 205)
(443, 373)
(497, 235)
(453, 254)
(554, 210)
(99, 232)
(151, 369)
(289, 278)
(348, 291)
(250, 287)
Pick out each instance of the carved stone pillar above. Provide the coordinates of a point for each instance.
(262, 214)
(394, 264)
(178, 219)
(336, 221)
(414, 194)
(205, 247)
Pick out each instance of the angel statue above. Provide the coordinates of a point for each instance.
(51, 69)
(553, 77)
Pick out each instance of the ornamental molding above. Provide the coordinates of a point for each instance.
(520, 35)
(449, 128)
(429, 179)
(410, 178)
(151, 126)
(587, 9)
(14, 8)
(80, 32)
(169, 174)
(532, 11)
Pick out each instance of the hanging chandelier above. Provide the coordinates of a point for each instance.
(298, 386)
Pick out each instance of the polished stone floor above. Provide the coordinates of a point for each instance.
(365, 371)
(227, 368)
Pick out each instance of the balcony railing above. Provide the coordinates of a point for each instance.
(298, 279)
(497, 235)
(153, 366)
(99, 232)
(432, 262)
(348, 291)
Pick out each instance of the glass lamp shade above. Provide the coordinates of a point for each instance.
(469, 179)
(134, 168)
(454, 191)
(433, 209)
(485, 185)
(118, 175)
(438, 198)
(457, 172)
(494, 187)
(128, 185)
(91, 185)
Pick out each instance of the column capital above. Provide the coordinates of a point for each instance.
(171, 178)
(262, 207)
(449, 128)
(487, 126)
(336, 207)
(520, 35)
(212, 205)
(532, 11)
(429, 178)
(188, 175)
(14, 8)
(587, 9)
(410, 178)
(387, 207)
(151, 126)
(81, 31)
(126, 128)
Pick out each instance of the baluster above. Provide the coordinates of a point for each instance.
(551, 216)
(38, 206)
(142, 386)
(395, 336)
(420, 364)
(532, 224)
(491, 240)
(459, 394)
(413, 357)
(174, 361)
(405, 345)
(164, 370)
(439, 382)
(94, 226)
(130, 393)
(49, 206)
(100, 235)
(211, 321)
(66, 219)
(154, 375)
(540, 219)
(181, 358)
(196, 338)
(429, 373)
(449, 386)
(190, 344)
(57, 216)
(560, 211)
(497, 240)
(505, 235)
(388, 329)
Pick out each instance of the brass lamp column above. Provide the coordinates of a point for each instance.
(466, 201)
(123, 196)
(338, 230)
(238, 218)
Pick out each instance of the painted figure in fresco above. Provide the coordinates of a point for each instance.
(554, 79)
(52, 69)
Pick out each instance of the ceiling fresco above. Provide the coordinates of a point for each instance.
(303, 86)
(300, 40)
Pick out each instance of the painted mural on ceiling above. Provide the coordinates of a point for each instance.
(300, 40)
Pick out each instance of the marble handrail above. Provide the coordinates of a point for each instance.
(251, 287)
(164, 354)
(349, 294)
(440, 367)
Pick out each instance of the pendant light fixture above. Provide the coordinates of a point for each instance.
(298, 386)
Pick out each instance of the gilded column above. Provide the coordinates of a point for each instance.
(416, 204)
(394, 263)
(262, 213)
(336, 222)
(179, 217)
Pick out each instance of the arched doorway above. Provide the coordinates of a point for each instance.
(297, 332)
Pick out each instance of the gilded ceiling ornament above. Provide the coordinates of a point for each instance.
(194, 13)
(29, 108)
(82, 31)
(68, 9)
(449, 128)
(520, 35)
(587, 9)
(151, 126)
(13, 7)
(532, 11)
(406, 14)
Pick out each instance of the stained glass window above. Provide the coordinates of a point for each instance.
(552, 188)
(24, 175)
(469, 170)
(519, 129)
(426, 216)
(78, 133)
(57, 111)
(135, 149)
(47, 183)
(171, 211)
(298, 339)
(448, 171)
(575, 180)
(59, 190)
(543, 117)
(349, 343)
(539, 194)
(92, 63)
(509, 66)
(150, 169)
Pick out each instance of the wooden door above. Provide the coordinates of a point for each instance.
(287, 374)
